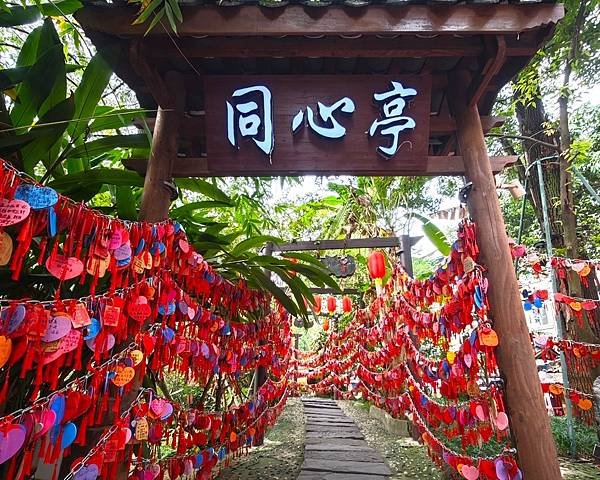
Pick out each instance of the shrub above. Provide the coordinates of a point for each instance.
(585, 437)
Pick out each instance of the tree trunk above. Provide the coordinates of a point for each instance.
(531, 118)
(581, 378)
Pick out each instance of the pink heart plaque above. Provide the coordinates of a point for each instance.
(12, 438)
(470, 472)
(502, 421)
(64, 268)
(13, 211)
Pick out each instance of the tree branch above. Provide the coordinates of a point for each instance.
(525, 138)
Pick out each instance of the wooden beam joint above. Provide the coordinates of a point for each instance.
(482, 81)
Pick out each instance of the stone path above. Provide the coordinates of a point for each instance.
(335, 448)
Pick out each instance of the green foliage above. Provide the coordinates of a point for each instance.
(154, 11)
(491, 448)
(585, 437)
(549, 61)
(12, 16)
(511, 209)
(62, 129)
(434, 234)
(423, 268)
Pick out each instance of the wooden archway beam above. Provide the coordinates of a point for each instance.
(432, 166)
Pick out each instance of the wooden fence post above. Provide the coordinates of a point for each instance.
(529, 421)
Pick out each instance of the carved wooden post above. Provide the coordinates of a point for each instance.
(529, 421)
(156, 197)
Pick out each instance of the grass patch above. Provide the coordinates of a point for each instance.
(585, 437)
(363, 404)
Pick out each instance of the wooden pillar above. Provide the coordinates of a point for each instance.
(156, 197)
(529, 421)
(262, 372)
(406, 256)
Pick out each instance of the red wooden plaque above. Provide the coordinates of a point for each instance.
(307, 151)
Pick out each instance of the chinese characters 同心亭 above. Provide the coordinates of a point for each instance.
(392, 105)
(251, 115)
(331, 128)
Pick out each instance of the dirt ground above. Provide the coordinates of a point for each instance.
(282, 453)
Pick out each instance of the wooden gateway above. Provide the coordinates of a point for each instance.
(390, 87)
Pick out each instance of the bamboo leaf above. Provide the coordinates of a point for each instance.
(101, 145)
(260, 278)
(88, 93)
(113, 118)
(434, 234)
(143, 16)
(203, 205)
(19, 16)
(9, 77)
(37, 86)
(42, 147)
(252, 242)
(157, 18)
(199, 185)
(60, 8)
(170, 17)
(125, 203)
(176, 10)
(109, 176)
(296, 287)
(305, 257)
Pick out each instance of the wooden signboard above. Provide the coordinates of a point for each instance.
(270, 125)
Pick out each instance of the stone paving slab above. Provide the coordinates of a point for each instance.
(322, 411)
(328, 421)
(354, 455)
(343, 442)
(333, 422)
(346, 466)
(331, 427)
(330, 406)
(335, 433)
(331, 413)
(350, 435)
(337, 476)
(335, 448)
(325, 416)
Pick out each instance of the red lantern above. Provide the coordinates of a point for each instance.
(376, 264)
(292, 273)
(325, 324)
(347, 304)
(331, 304)
(317, 305)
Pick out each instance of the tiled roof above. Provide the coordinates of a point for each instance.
(326, 3)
